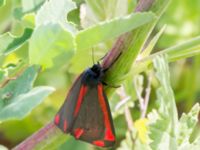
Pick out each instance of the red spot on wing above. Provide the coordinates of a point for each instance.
(82, 93)
(65, 126)
(109, 135)
(57, 119)
(98, 143)
(78, 132)
(108, 132)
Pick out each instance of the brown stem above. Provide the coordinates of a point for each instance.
(39, 137)
(143, 5)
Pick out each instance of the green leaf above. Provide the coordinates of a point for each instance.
(180, 51)
(163, 126)
(183, 50)
(20, 85)
(18, 13)
(165, 95)
(159, 129)
(186, 49)
(165, 130)
(111, 29)
(23, 104)
(87, 17)
(152, 43)
(102, 32)
(2, 3)
(48, 42)
(133, 45)
(29, 20)
(55, 11)
(104, 10)
(27, 7)
(187, 124)
(17, 99)
(97, 8)
(31, 5)
(190, 146)
(9, 43)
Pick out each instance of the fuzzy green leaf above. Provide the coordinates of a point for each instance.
(17, 99)
(31, 5)
(190, 146)
(55, 11)
(20, 85)
(163, 124)
(111, 29)
(165, 95)
(23, 104)
(108, 9)
(187, 124)
(48, 43)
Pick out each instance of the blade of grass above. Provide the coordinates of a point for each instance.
(184, 50)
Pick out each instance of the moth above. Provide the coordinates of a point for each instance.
(85, 113)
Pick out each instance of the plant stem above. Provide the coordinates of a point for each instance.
(37, 140)
(146, 98)
(127, 112)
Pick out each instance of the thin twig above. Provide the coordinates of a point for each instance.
(147, 97)
(139, 95)
(144, 101)
(121, 92)
(122, 102)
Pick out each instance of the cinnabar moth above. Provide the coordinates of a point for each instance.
(85, 113)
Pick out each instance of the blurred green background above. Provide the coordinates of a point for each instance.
(182, 23)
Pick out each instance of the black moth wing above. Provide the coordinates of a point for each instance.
(94, 122)
(64, 118)
(85, 113)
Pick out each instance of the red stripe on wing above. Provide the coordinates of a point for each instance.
(57, 119)
(78, 132)
(65, 126)
(99, 143)
(82, 93)
(109, 136)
